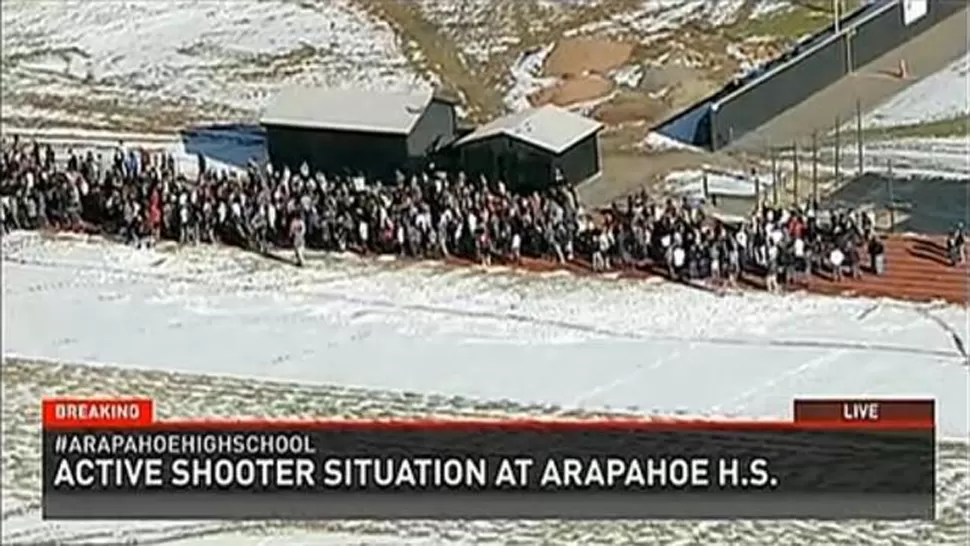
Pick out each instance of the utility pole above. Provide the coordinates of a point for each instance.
(837, 14)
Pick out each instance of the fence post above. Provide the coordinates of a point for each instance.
(794, 155)
(707, 189)
(892, 198)
(757, 188)
(858, 133)
(838, 151)
(814, 169)
(774, 177)
(849, 65)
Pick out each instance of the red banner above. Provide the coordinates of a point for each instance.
(867, 412)
(73, 413)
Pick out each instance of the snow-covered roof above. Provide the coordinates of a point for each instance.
(346, 109)
(549, 127)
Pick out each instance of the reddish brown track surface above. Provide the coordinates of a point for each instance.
(917, 269)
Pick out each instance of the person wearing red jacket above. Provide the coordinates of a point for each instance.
(154, 217)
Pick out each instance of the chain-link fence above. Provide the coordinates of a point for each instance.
(852, 165)
(836, 167)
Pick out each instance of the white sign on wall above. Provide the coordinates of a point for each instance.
(914, 10)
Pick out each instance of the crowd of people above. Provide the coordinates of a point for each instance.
(781, 245)
(141, 197)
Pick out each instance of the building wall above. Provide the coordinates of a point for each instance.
(335, 151)
(581, 161)
(693, 124)
(521, 167)
(790, 86)
(887, 31)
(435, 129)
(525, 168)
(743, 112)
(688, 126)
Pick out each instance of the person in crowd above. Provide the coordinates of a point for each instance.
(771, 271)
(836, 262)
(956, 245)
(854, 259)
(877, 258)
(298, 237)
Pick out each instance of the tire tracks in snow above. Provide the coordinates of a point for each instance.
(740, 403)
(958, 341)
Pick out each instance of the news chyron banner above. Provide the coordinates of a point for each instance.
(111, 459)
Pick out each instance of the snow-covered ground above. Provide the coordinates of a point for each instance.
(608, 344)
(658, 142)
(943, 157)
(156, 65)
(944, 95)
(75, 61)
(690, 183)
(360, 337)
(526, 78)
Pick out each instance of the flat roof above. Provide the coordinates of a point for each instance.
(347, 109)
(549, 127)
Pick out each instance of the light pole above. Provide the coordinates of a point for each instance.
(836, 5)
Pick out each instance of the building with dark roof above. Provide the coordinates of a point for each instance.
(336, 130)
(534, 149)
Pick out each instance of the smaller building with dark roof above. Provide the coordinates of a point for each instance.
(534, 149)
(374, 133)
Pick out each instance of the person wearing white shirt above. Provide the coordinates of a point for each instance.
(741, 237)
(516, 248)
(679, 257)
(363, 232)
(776, 236)
(801, 261)
(837, 258)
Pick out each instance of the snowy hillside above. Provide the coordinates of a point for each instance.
(154, 65)
(75, 61)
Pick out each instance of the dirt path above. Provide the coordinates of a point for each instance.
(872, 84)
(441, 54)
